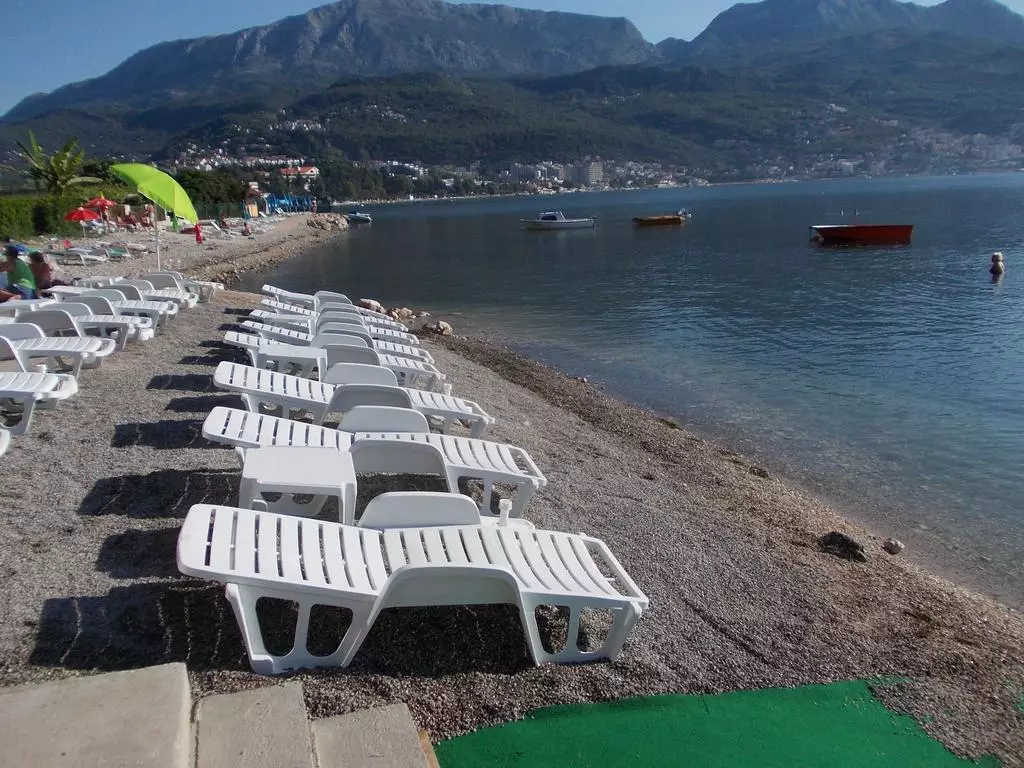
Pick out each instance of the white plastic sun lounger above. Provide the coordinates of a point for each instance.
(318, 300)
(389, 442)
(21, 392)
(105, 313)
(77, 320)
(373, 318)
(312, 562)
(304, 360)
(157, 311)
(291, 336)
(205, 289)
(311, 323)
(293, 393)
(25, 342)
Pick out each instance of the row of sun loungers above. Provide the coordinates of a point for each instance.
(315, 356)
(51, 340)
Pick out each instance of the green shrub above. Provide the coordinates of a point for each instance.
(16, 216)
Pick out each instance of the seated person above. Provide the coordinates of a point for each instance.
(20, 283)
(42, 272)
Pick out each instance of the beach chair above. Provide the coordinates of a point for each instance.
(25, 342)
(204, 289)
(20, 393)
(157, 311)
(348, 310)
(293, 393)
(103, 309)
(313, 361)
(331, 321)
(389, 440)
(302, 338)
(107, 324)
(259, 554)
(76, 320)
(146, 292)
(318, 300)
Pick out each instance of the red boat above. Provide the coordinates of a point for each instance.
(862, 234)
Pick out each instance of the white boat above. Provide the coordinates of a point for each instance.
(557, 220)
(359, 217)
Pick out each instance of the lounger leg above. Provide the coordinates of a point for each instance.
(478, 427)
(243, 603)
(524, 494)
(21, 426)
(485, 504)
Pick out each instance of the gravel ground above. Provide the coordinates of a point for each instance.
(741, 597)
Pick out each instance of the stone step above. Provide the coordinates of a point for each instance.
(384, 737)
(139, 718)
(262, 728)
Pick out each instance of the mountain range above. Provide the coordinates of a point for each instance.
(957, 65)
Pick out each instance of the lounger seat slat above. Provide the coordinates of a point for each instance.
(434, 546)
(222, 538)
(454, 546)
(554, 561)
(414, 546)
(245, 543)
(267, 548)
(334, 558)
(376, 570)
(311, 557)
(355, 564)
(576, 568)
(535, 560)
(473, 543)
(585, 560)
(394, 548)
(512, 557)
(291, 560)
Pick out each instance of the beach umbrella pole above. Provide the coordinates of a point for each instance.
(156, 226)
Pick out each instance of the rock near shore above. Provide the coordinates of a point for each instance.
(327, 221)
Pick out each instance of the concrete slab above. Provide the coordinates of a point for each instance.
(137, 719)
(385, 737)
(264, 728)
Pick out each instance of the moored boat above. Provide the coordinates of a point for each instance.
(663, 220)
(359, 217)
(557, 220)
(862, 234)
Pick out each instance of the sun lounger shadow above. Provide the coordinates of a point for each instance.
(182, 382)
(229, 327)
(203, 403)
(431, 642)
(167, 435)
(237, 311)
(215, 344)
(165, 493)
(213, 360)
(138, 626)
(139, 553)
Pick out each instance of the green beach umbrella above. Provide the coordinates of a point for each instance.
(159, 187)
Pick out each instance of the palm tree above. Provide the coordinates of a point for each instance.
(56, 172)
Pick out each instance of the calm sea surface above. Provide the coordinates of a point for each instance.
(887, 380)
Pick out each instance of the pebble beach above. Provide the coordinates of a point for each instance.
(742, 595)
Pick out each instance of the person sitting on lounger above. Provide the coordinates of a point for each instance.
(20, 283)
(42, 272)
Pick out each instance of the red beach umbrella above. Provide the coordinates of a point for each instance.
(100, 202)
(81, 214)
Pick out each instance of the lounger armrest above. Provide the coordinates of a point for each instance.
(626, 584)
(525, 457)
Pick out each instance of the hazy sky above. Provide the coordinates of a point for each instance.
(49, 43)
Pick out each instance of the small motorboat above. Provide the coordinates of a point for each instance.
(358, 217)
(663, 220)
(862, 234)
(557, 220)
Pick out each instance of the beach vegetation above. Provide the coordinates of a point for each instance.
(53, 173)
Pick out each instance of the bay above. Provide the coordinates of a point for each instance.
(886, 380)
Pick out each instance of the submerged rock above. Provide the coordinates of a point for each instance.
(841, 545)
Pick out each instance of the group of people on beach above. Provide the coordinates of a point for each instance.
(24, 281)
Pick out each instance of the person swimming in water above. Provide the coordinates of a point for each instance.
(998, 269)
